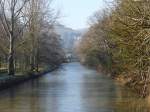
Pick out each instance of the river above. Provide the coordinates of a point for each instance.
(72, 88)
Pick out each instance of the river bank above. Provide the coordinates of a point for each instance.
(130, 81)
(139, 87)
(7, 81)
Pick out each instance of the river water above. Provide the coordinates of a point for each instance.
(72, 88)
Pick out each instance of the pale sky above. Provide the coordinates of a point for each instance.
(75, 13)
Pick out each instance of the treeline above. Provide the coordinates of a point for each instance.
(118, 41)
(28, 42)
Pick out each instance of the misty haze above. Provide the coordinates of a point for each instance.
(75, 55)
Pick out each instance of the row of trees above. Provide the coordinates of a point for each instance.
(119, 40)
(27, 38)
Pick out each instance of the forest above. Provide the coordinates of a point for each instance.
(28, 42)
(118, 42)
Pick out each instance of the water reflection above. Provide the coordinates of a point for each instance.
(71, 89)
(129, 102)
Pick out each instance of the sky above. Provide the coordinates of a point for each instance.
(75, 13)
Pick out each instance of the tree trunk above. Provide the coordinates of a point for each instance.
(11, 66)
(37, 58)
(0, 62)
(32, 63)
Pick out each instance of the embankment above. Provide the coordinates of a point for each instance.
(7, 81)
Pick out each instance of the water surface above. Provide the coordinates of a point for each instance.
(72, 88)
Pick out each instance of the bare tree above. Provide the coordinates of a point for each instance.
(41, 16)
(11, 13)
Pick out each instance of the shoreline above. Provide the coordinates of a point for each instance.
(12, 81)
(127, 82)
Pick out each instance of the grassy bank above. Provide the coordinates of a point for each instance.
(7, 81)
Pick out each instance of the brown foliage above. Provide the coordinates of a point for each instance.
(122, 34)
